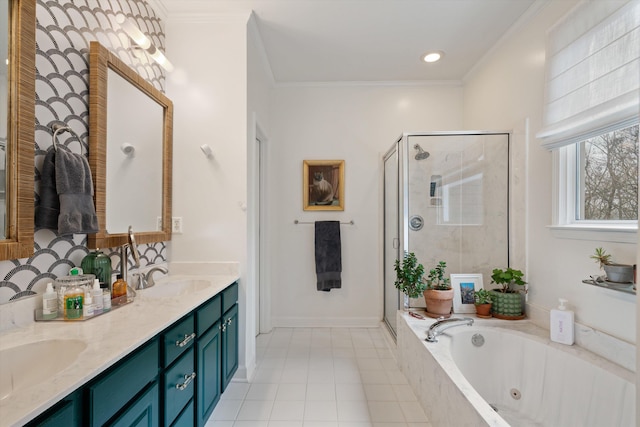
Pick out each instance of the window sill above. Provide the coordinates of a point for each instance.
(596, 232)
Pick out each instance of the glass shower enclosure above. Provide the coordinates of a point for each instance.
(446, 198)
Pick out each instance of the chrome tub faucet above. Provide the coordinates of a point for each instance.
(441, 325)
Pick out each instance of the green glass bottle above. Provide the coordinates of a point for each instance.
(98, 264)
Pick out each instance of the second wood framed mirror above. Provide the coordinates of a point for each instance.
(130, 152)
(16, 195)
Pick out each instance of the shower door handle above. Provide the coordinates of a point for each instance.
(396, 243)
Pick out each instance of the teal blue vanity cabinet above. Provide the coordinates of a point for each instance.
(216, 350)
(175, 379)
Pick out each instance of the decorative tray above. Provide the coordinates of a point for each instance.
(116, 303)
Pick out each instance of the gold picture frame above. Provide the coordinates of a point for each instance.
(323, 185)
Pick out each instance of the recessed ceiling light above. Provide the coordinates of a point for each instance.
(433, 56)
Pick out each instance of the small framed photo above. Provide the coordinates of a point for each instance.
(464, 291)
(323, 185)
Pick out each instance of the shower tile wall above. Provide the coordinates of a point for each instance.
(465, 224)
(64, 31)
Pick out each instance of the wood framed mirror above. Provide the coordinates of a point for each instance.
(130, 153)
(16, 240)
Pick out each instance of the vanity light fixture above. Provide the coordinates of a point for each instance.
(143, 41)
(432, 56)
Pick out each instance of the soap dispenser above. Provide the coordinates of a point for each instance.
(561, 324)
(49, 303)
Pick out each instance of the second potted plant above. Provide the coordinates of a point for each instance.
(483, 303)
(507, 301)
(619, 273)
(439, 295)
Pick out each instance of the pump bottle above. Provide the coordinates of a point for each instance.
(561, 324)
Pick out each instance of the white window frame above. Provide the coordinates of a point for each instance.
(565, 177)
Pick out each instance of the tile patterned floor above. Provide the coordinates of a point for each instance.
(321, 377)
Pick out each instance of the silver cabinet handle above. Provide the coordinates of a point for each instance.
(229, 321)
(187, 380)
(223, 327)
(186, 340)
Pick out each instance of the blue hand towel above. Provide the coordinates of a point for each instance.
(75, 190)
(328, 248)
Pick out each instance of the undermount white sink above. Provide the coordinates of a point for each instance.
(36, 362)
(172, 288)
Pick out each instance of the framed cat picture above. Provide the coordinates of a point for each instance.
(323, 185)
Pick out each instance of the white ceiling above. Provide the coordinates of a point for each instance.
(368, 40)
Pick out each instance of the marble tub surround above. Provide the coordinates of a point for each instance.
(449, 398)
(604, 345)
(109, 338)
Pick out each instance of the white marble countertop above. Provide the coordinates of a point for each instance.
(109, 338)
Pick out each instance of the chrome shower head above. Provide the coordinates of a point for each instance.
(421, 155)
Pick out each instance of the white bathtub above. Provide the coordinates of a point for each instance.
(518, 371)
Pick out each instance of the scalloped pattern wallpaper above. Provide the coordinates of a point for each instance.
(64, 31)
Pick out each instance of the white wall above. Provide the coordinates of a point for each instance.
(355, 123)
(209, 91)
(259, 86)
(503, 91)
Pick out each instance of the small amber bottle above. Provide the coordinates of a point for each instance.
(119, 288)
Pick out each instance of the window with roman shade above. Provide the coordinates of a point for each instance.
(592, 72)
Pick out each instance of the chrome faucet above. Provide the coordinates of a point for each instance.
(146, 279)
(441, 325)
(124, 258)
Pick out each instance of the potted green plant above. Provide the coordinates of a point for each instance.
(507, 301)
(409, 274)
(614, 272)
(438, 296)
(483, 303)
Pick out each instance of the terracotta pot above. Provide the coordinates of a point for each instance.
(483, 310)
(439, 303)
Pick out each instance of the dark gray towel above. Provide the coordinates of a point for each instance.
(48, 208)
(75, 189)
(328, 255)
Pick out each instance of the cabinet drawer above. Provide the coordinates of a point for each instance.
(179, 383)
(114, 389)
(208, 314)
(185, 419)
(177, 339)
(229, 297)
(143, 412)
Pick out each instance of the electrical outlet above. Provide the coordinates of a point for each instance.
(176, 225)
(159, 223)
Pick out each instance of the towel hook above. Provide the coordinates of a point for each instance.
(58, 128)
